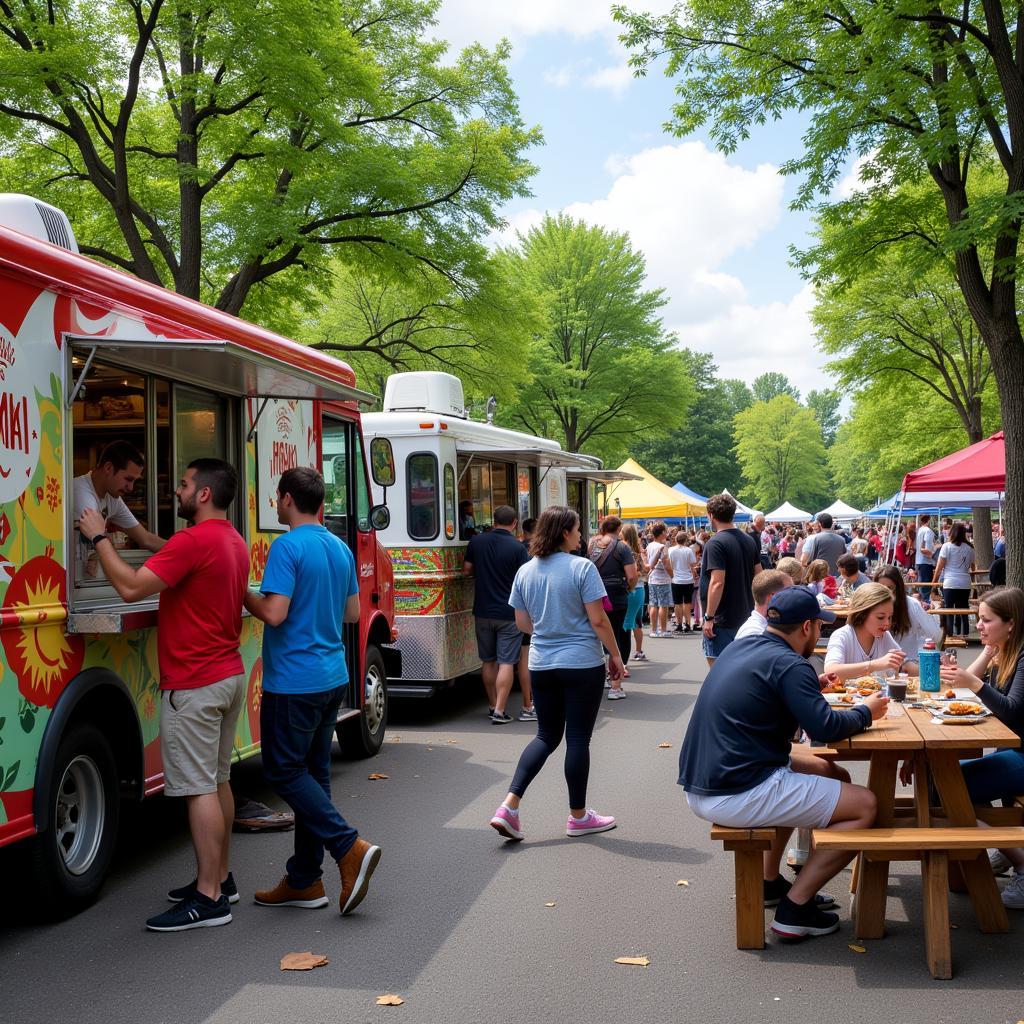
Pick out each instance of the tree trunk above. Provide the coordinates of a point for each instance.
(982, 537)
(1007, 352)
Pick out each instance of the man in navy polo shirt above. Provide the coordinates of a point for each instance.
(735, 760)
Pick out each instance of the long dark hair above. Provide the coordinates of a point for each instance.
(552, 526)
(958, 534)
(900, 611)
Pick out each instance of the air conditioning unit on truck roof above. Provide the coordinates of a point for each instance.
(425, 391)
(40, 220)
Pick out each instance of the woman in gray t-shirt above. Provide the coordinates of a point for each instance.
(559, 599)
(954, 565)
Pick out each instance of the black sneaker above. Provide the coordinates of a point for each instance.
(795, 921)
(500, 717)
(198, 912)
(779, 887)
(187, 892)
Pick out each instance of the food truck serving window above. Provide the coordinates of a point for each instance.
(421, 493)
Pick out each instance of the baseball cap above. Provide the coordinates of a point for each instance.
(796, 604)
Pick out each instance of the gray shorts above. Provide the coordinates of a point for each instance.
(197, 735)
(498, 640)
(661, 595)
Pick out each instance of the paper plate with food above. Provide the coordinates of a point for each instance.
(963, 712)
(842, 700)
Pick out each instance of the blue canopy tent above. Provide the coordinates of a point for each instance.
(696, 498)
(890, 507)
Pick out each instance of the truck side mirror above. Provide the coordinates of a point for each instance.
(380, 517)
(382, 462)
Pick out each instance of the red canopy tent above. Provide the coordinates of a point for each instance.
(972, 476)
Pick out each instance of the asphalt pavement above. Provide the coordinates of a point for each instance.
(460, 924)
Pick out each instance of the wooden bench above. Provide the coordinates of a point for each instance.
(747, 846)
(953, 641)
(935, 847)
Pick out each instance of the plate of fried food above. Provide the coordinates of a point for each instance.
(963, 712)
(841, 699)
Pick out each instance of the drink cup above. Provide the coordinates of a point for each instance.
(897, 690)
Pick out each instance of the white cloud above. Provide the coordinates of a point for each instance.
(560, 77)
(617, 78)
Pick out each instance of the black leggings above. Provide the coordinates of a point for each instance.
(959, 625)
(623, 637)
(567, 701)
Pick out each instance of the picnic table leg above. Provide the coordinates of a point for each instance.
(977, 873)
(873, 875)
(934, 869)
(749, 868)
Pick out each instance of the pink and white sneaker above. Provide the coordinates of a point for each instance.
(590, 823)
(506, 823)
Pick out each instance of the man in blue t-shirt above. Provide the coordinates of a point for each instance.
(309, 590)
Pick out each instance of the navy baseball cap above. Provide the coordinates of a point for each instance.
(794, 605)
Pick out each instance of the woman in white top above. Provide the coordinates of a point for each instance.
(681, 558)
(865, 645)
(913, 625)
(954, 565)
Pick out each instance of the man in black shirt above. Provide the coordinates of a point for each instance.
(730, 560)
(735, 760)
(494, 559)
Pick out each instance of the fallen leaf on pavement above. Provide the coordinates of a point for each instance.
(682, 881)
(396, 739)
(664, 746)
(452, 741)
(549, 904)
(430, 748)
(858, 949)
(390, 999)
(633, 961)
(374, 776)
(302, 961)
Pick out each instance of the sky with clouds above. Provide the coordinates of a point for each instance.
(715, 230)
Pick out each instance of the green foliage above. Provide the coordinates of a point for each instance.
(771, 384)
(780, 452)
(825, 406)
(603, 370)
(699, 451)
(226, 150)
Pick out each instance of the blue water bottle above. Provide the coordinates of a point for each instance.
(928, 664)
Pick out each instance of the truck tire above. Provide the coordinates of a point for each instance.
(363, 736)
(69, 860)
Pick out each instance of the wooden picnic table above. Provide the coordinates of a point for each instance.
(936, 750)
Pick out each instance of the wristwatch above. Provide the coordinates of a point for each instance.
(98, 538)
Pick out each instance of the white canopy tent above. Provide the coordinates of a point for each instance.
(840, 510)
(743, 512)
(787, 513)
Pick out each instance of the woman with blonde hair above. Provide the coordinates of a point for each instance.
(865, 645)
(634, 620)
(997, 678)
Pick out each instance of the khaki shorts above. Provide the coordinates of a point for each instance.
(197, 735)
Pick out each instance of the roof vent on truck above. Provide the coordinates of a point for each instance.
(425, 391)
(38, 219)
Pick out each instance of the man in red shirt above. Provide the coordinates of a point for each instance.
(201, 575)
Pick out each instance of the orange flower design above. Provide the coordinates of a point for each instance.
(52, 492)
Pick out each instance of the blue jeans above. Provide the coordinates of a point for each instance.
(718, 643)
(297, 733)
(925, 574)
(995, 776)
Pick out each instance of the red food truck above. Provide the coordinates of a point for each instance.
(90, 355)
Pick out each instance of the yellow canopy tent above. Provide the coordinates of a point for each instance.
(649, 498)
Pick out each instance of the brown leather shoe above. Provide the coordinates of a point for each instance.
(356, 867)
(286, 895)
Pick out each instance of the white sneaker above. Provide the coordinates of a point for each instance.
(618, 694)
(1013, 894)
(1000, 863)
(654, 634)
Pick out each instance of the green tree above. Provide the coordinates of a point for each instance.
(915, 88)
(604, 370)
(780, 452)
(771, 384)
(217, 148)
(825, 406)
(699, 451)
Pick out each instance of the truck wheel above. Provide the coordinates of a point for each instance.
(364, 736)
(69, 860)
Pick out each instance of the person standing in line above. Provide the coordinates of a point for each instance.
(527, 713)
(634, 621)
(559, 599)
(659, 580)
(924, 563)
(309, 590)
(825, 544)
(616, 564)
(697, 547)
(727, 569)
(954, 567)
(201, 575)
(756, 532)
(682, 560)
(493, 559)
